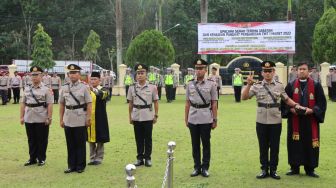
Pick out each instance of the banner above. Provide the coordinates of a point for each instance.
(246, 38)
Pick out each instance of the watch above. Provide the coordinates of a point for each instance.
(215, 120)
(156, 116)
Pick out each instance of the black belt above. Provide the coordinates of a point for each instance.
(75, 107)
(15, 85)
(200, 105)
(3, 85)
(142, 106)
(266, 105)
(36, 105)
(54, 84)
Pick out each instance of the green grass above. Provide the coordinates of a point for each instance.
(234, 155)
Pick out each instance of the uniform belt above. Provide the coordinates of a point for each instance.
(200, 105)
(3, 85)
(54, 84)
(267, 105)
(15, 84)
(75, 107)
(142, 106)
(36, 105)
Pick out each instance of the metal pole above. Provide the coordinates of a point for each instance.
(290, 57)
(170, 153)
(130, 179)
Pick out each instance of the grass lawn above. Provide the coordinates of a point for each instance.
(234, 155)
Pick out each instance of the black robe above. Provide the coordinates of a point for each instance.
(301, 152)
(99, 130)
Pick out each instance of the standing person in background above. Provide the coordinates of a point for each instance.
(56, 84)
(175, 84)
(26, 81)
(218, 80)
(159, 81)
(4, 84)
(75, 116)
(111, 84)
(46, 80)
(293, 74)
(188, 77)
(16, 84)
(128, 81)
(36, 113)
(237, 83)
(151, 75)
(315, 75)
(333, 85)
(9, 93)
(201, 116)
(169, 83)
(98, 132)
(328, 80)
(142, 97)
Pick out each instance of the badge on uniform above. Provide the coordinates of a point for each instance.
(296, 91)
(311, 96)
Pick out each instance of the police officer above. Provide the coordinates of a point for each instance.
(315, 75)
(159, 81)
(46, 79)
(268, 93)
(75, 114)
(152, 75)
(237, 83)
(142, 97)
(36, 114)
(26, 80)
(201, 116)
(188, 77)
(16, 84)
(217, 79)
(4, 84)
(168, 83)
(111, 84)
(56, 84)
(128, 80)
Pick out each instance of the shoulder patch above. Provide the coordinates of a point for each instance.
(210, 79)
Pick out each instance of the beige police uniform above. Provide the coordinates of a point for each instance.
(35, 117)
(16, 84)
(4, 85)
(75, 117)
(26, 81)
(56, 84)
(149, 94)
(46, 79)
(266, 115)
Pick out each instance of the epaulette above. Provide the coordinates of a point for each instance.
(210, 79)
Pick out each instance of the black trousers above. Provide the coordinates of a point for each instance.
(169, 92)
(126, 87)
(329, 92)
(333, 91)
(56, 95)
(110, 93)
(200, 132)
(237, 92)
(75, 139)
(143, 138)
(9, 94)
(174, 93)
(4, 94)
(269, 140)
(16, 94)
(159, 88)
(37, 134)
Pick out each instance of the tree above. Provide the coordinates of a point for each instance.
(329, 4)
(119, 25)
(324, 48)
(91, 46)
(151, 48)
(42, 54)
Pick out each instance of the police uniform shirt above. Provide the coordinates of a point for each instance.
(268, 115)
(217, 79)
(46, 79)
(4, 82)
(66, 80)
(43, 95)
(149, 93)
(15, 81)
(55, 82)
(208, 89)
(75, 117)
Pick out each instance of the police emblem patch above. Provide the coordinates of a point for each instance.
(72, 67)
(296, 91)
(199, 62)
(35, 69)
(311, 96)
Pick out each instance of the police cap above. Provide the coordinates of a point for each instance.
(140, 67)
(198, 62)
(95, 74)
(73, 67)
(36, 70)
(267, 64)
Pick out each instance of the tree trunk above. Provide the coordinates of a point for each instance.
(204, 17)
(118, 12)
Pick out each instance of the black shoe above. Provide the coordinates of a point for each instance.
(69, 170)
(274, 175)
(30, 162)
(292, 172)
(91, 163)
(312, 174)
(205, 173)
(80, 170)
(41, 163)
(139, 162)
(263, 174)
(196, 172)
(148, 163)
